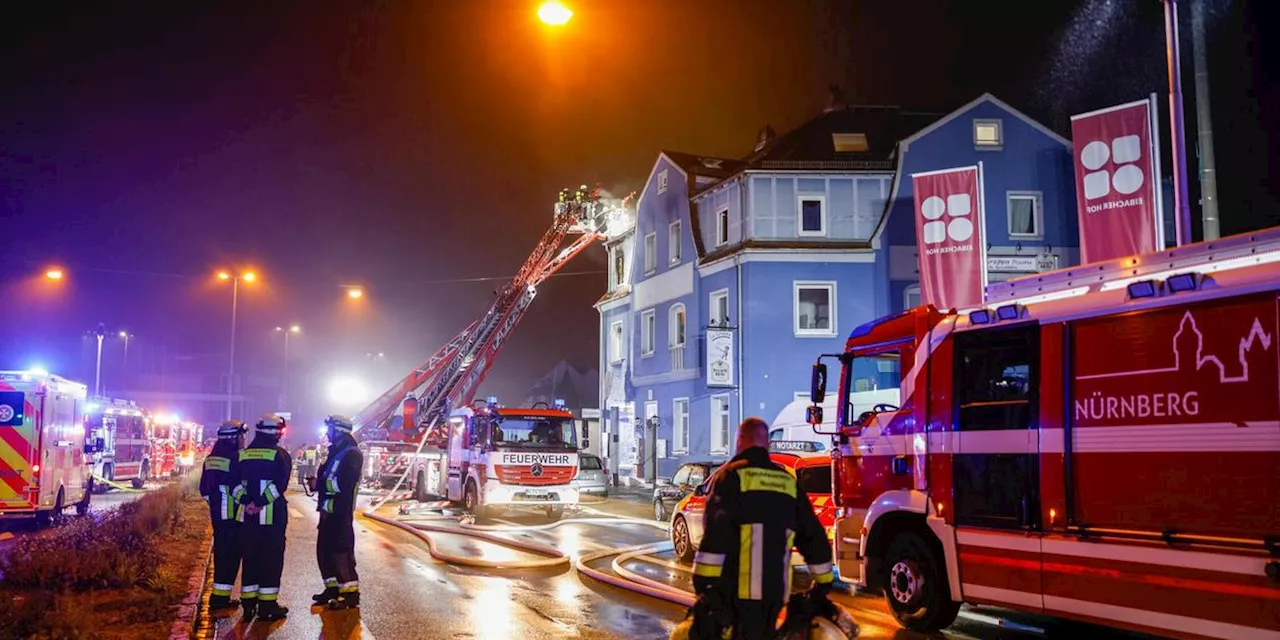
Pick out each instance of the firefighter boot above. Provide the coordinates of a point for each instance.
(250, 608)
(222, 604)
(271, 611)
(346, 601)
(325, 597)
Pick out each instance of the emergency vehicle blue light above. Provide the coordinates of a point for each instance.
(38, 371)
(980, 316)
(1142, 289)
(1007, 312)
(866, 327)
(492, 400)
(1181, 282)
(559, 403)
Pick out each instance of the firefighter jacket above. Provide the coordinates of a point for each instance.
(756, 513)
(217, 481)
(263, 473)
(339, 477)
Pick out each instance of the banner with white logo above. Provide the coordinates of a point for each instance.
(719, 357)
(1118, 181)
(951, 237)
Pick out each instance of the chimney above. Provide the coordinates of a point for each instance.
(766, 134)
(836, 102)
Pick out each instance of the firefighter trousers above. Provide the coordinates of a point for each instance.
(336, 553)
(755, 619)
(226, 558)
(263, 548)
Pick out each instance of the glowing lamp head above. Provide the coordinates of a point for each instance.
(53, 273)
(249, 276)
(554, 13)
(223, 275)
(355, 293)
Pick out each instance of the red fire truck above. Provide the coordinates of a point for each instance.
(1101, 443)
(120, 432)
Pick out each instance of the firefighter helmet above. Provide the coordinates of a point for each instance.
(270, 424)
(339, 422)
(231, 429)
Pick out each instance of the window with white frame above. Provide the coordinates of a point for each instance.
(815, 304)
(648, 328)
(722, 226)
(675, 330)
(720, 424)
(650, 253)
(813, 215)
(673, 243)
(987, 134)
(718, 308)
(911, 297)
(615, 341)
(1026, 218)
(617, 267)
(680, 425)
(662, 181)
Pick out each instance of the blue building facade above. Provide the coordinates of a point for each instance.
(737, 273)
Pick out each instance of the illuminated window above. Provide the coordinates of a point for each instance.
(987, 134)
(849, 142)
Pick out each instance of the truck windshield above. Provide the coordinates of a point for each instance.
(536, 431)
(874, 379)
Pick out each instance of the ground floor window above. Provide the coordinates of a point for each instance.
(720, 424)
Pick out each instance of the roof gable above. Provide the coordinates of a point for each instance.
(986, 98)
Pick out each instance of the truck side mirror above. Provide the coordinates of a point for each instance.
(818, 383)
(813, 415)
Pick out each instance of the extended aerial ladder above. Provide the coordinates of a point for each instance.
(450, 377)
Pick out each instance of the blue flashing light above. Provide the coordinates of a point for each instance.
(1142, 289)
(37, 371)
(1007, 312)
(559, 403)
(865, 328)
(491, 400)
(1181, 282)
(980, 316)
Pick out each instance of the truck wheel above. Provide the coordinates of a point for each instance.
(555, 511)
(471, 501)
(141, 480)
(681, 543)
(54, 516)
(916, 586)
(82, 507)
(420, 487)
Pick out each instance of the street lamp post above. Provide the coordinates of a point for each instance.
(284, 382)
(126, 336)
(247, 276)
(1181, 199)
(99, 333)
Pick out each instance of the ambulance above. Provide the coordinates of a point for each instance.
(44, 463)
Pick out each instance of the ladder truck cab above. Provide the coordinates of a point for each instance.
(500, 457)
(44, 459)
(119, 432)
(1100, 443)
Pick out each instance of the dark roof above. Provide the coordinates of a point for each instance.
(810, 145)
(709, 166)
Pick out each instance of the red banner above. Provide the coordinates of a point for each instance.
(1117, 181)
(950, 237)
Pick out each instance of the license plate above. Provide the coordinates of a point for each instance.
(535, 493)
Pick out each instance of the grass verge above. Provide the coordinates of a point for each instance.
(108, 576)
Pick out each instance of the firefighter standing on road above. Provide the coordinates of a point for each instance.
(336, 486)
(263, 473)
(756, 513)
(218, 487)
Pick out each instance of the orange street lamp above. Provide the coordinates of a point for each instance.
(554, 13)
(355, 293)
(53, 273)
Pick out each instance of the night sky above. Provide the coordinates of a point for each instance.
(406, 145)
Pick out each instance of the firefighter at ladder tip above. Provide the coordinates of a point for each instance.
(756, 514)
(336, 485)
(216, 485)
(263, 472)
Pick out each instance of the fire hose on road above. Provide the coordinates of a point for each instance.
(554, 557)
(116, 485)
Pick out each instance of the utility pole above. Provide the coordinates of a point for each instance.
(98, 333)
(1204, 125)
(231, 367)
(1182, 204)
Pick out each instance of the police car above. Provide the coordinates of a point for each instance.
(812, 469)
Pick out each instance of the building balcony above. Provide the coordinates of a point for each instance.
(677, 357)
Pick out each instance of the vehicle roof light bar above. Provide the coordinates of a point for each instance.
(1143, 289)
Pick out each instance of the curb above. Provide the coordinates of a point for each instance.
(192, 611)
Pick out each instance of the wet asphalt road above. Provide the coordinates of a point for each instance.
(408, 594)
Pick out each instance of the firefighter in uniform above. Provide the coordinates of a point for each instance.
(217, 486)
(756, 513)
(263, 473)
(336, 486)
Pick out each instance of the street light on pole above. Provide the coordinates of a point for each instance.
(235, 279)
(126, 336)
(1181, 199)
(99, 333)
(284, 382)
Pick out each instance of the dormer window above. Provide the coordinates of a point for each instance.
(850, 142)
(987, 134)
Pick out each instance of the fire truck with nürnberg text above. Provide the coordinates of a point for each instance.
(1100, 443)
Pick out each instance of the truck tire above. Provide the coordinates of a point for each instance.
(82, 507)
(420, 487)
(141, 480)
(471, 501)
(52, 517)
(916, 585)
